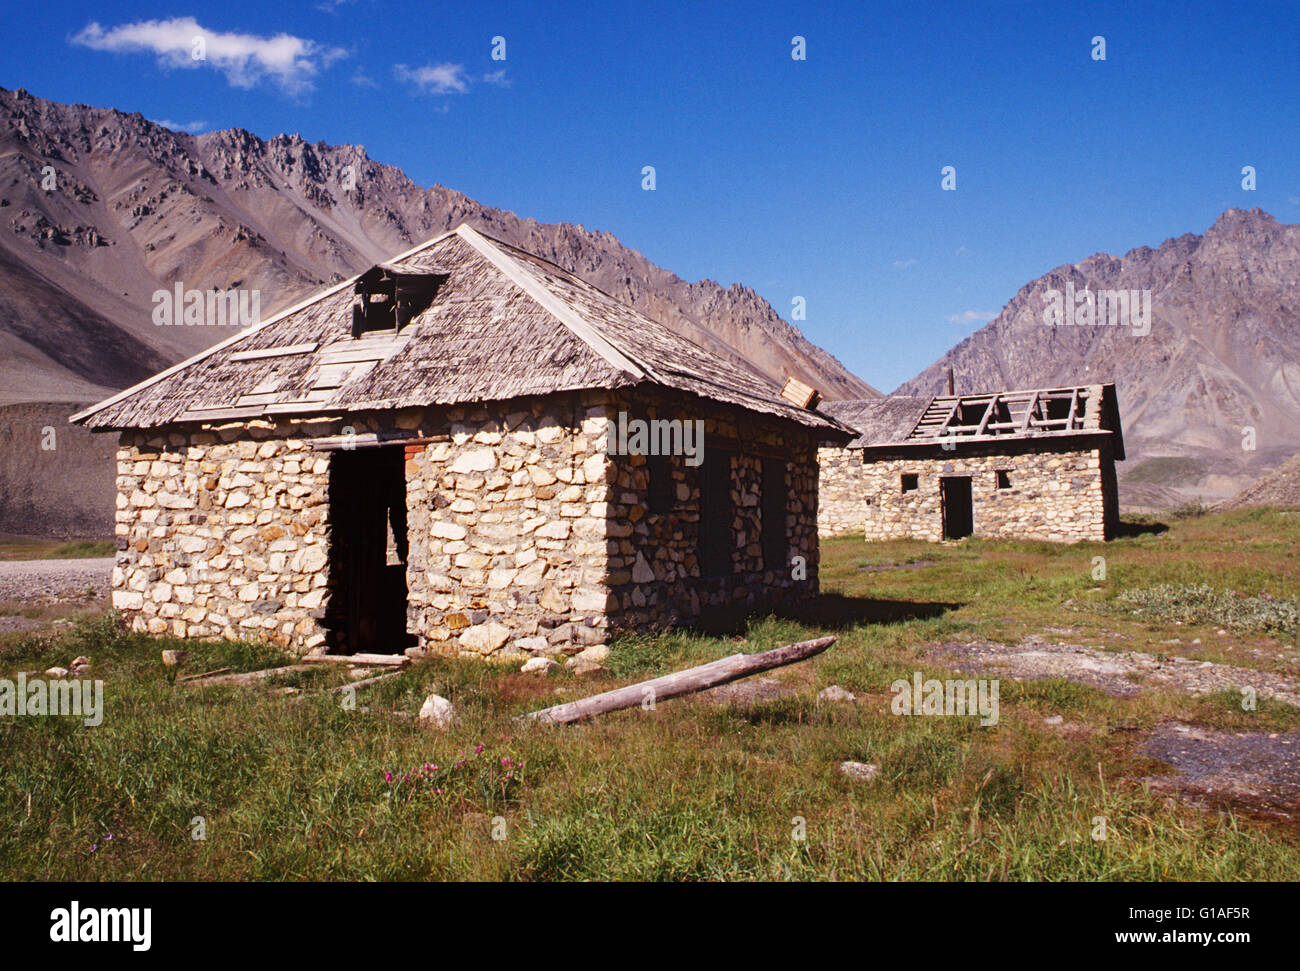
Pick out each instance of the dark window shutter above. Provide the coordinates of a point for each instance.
(717, 539)
(775, 496)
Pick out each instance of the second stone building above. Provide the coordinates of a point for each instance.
(1037, 464)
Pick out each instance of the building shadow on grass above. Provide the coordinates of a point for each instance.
(831, 611)
(1128, 530)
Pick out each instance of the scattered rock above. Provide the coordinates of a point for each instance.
(859, 771)
(172, 658)
(835, 693)
(437, 713)
(80, 665)
(536, 645)
(56, 672)
(485, 638)
(581, 666)
(596, 653)
(1054, 720)
(542, 664)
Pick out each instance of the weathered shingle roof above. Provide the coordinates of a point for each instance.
(503, 324)
(878, 420)
(896, 421)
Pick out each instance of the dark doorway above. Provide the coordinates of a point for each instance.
(368, 549)
(957, 510)
(717, 540)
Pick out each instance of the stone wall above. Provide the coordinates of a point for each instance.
(524, 535)
(1058, 491)
(507, 519)
(654, 570)
(218, 537)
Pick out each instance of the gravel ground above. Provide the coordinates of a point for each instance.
(32, 579)
(1116, 672)
(1258, 771)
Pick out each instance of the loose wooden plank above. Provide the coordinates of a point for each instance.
(799, 394)
(266, 352)
(363, 349)
(258, 398)
(680, 683)
(219, 412)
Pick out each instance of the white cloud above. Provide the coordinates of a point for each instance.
(245, 59)
(363, 80)
(903, 264)
(498, 78)
(967, 317)
(193, 127)
(434, 78)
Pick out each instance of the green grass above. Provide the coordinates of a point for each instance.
(1201, 603)
(304, 787)
(32, 548)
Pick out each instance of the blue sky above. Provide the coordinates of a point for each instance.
(818, 178)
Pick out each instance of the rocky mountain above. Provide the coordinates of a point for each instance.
(1209, 397)
(100, 209)
(1281, 487)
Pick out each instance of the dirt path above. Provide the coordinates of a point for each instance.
(37, 579)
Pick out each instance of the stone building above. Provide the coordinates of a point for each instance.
(1018, 464)
(466, 450)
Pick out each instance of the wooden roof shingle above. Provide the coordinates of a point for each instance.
(502, 324)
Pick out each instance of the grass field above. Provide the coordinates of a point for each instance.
(32, 548)
(303, 788)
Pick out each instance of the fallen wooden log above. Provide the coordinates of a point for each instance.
(680, 683)
(360, 660)
(245, 677)
(203, 674)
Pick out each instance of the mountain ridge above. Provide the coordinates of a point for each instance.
(138, 207)
(1219, 371)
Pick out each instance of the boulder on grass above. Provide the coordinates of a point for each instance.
(437, 713)
(835, 693)
(859, 771)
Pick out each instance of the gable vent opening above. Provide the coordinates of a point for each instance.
(386, 300)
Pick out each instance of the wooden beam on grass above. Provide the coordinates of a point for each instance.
(680, 683)
(360, 660)
(244, 678)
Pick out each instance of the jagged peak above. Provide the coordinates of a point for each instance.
(1243, 217)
